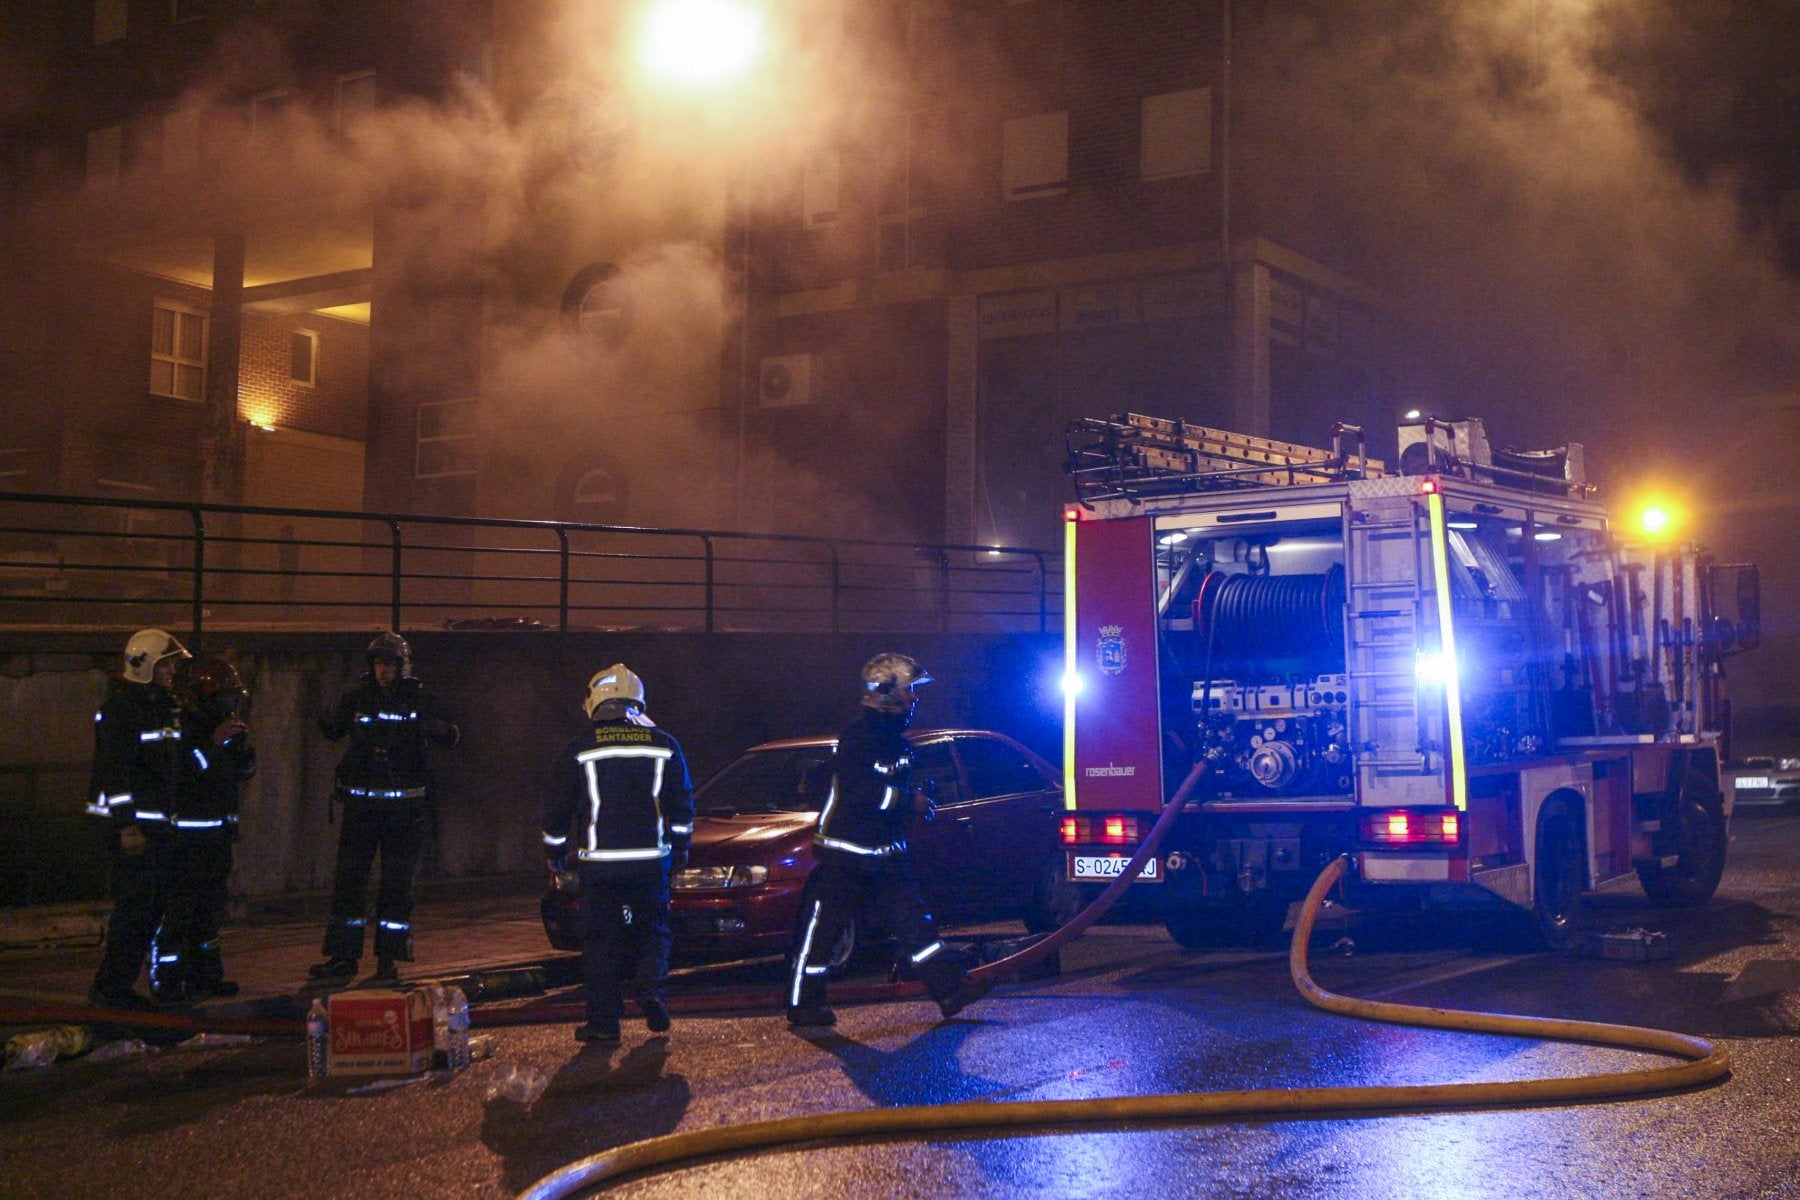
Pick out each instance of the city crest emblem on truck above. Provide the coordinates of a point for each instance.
(1109, 650)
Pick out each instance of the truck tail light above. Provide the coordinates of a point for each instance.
(1411, 827)
(1113, 829)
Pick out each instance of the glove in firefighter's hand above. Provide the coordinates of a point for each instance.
(556, 864)
(924, 802)
(229, 728)
(131, 841)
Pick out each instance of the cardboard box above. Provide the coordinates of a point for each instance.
(379, 1032)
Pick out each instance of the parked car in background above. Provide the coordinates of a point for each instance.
(1764, 770)
(994, 849)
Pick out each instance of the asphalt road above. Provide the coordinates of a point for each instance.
(1132, 1014)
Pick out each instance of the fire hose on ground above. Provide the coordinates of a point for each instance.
(1704, 1064)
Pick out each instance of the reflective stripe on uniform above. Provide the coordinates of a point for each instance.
(157, 735)
(388, 794)
(213, 824)
(927, 952)
(588, 759)
(556, 841)
(812, 925)
(621, 855)
(853, 848)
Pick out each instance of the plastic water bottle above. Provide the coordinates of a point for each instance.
(459, 1029)
(317, 1040)
(440, 1023)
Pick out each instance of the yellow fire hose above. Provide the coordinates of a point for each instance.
(1706, 1064)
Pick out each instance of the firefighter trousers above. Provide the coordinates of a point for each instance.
(886, 892)
(394, 829)
(139, 889)
(186, 950)
(625, 938)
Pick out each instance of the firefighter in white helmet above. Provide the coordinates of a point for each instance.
(143, 768)
(860, 845)
(621, 812)
(384, 781)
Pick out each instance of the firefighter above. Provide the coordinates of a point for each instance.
(185, 962)
(141, 769)
(860, 845)
(384, 781)
(622, 792)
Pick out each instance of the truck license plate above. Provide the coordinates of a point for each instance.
(1096, 868)
(1753, 781)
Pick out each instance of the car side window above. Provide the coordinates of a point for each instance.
(996, 769)
(934, 764)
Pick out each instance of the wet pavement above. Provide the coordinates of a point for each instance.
(1131, 1014)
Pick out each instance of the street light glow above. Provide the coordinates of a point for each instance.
(700, 43)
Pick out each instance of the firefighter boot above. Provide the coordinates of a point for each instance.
(333, 968)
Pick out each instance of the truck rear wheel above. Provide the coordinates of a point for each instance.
(1055, 898)
(1558, 880)
(1695, 876)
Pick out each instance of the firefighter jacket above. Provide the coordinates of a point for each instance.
(213, 803)
(389, 730)
(144, 764)
(621, 799)
(870, 799)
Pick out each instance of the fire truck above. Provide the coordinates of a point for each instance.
(1455, 670)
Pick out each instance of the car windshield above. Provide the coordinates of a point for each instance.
(791, 779)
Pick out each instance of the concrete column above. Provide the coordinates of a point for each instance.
(223, 470)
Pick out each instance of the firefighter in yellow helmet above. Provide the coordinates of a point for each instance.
(860, 845)
(621, 812)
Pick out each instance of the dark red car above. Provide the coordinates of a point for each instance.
(993, 850)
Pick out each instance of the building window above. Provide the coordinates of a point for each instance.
(1034, 156)
(104, 149)
(181, 141)
(303, 354)
(266, 113)
(142, 153)
(446, 440)
(110, 21)
(1177, 134)
(819, 190)
(177, 351)
(355, 99)
(186, 10)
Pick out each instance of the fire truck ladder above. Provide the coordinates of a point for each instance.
(1388, 612)
(1131, 456)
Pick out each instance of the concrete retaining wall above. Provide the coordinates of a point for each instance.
(517, 697)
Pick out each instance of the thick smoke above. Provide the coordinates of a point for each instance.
(1496, 171)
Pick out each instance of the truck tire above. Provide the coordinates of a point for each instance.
(1692, 880)
(1055, 898)
(1559, 879)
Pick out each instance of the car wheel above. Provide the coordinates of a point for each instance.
(1556, 884)
(1055, 899)
(1695, 877)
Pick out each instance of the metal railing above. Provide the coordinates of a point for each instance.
(68, 561)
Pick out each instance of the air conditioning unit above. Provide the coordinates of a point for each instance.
(785, 381)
